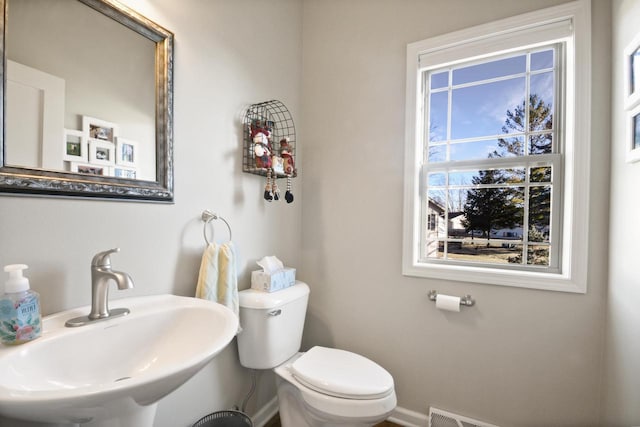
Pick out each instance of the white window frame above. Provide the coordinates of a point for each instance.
(511, 34)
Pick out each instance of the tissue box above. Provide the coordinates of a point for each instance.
(273, 282)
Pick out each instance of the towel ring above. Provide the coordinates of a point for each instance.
(207, 217)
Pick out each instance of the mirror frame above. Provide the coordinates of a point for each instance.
(33, 181)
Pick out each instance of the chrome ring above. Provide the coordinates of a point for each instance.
(207, 217)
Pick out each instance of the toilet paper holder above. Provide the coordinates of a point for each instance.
(466, 300)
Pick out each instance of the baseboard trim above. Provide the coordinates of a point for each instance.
(408, 418)
(265, 413)
(401, 416)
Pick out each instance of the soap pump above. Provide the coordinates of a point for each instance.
(20, 318)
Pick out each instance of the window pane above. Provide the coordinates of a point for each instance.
(437, 153)
(456, 227)
(437, 179)
(462, 178)
(438, 111)
(456, 224)
(538, 255)
(539, 213)
(482, 110)
(510, 146)
(541, 102)
(542, 60)
(541, 143)
(490, 70)
(457, 200)
(540, 174)
(433, 248)
(440, 80)
(487, 177)
(436, 202)
(492, 212)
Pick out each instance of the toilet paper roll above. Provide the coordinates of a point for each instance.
(447, 302)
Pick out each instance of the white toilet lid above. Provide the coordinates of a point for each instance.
(343, 374)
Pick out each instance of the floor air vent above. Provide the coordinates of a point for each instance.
(440, 418)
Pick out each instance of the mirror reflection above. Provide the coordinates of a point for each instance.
(88, 91)
(82, 101)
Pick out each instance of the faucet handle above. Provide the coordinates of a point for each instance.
(102, 259)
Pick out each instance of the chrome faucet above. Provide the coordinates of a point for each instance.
(101, 275)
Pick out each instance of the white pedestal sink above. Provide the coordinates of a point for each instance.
(112, 372)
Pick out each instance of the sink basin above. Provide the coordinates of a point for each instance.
(112, 371)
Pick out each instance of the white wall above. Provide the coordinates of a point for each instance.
(519, 357)
(622, 362)
(227, 55)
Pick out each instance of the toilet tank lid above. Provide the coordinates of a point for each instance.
(342, 374)
(251, 298)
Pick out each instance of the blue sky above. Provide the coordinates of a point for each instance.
(480, 110)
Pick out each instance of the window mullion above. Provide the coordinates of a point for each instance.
(527, 129)
(525, 217)
(492, 163)
(449, 111)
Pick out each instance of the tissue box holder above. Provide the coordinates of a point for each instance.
(275, 281)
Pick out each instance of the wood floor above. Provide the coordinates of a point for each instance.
(275, 422)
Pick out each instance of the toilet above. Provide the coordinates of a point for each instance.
(320, 387)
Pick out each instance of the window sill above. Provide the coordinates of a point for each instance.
(492, 276)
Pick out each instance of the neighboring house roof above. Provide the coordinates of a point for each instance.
(436, 206)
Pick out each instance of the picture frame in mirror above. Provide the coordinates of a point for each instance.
(74, 146)
(127, 152)
(101, 152)
(122, 172)
(99, 129)
(89, 169)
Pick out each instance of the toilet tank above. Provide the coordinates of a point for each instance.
(272, 325)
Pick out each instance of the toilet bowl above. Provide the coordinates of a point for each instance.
(321, 387)
(360, 393)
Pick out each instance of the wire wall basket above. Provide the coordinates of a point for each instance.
(269, 140)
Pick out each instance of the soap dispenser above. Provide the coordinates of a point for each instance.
(19, 308)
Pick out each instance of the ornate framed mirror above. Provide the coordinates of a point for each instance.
(87, 101)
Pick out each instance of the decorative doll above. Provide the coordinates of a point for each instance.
(262, 150)
(285, 153)
(289, 166)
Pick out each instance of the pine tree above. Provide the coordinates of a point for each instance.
(489, 208)
(540, 119)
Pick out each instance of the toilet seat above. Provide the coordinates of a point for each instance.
(342, 374)
(321, 402)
